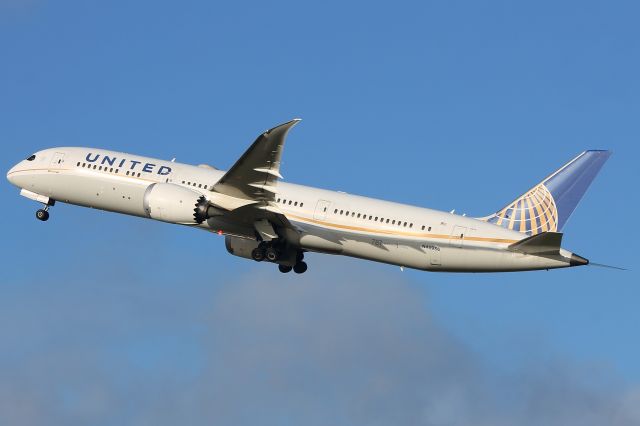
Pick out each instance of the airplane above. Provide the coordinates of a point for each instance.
(267, 220)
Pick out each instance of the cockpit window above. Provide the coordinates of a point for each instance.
(31, 158)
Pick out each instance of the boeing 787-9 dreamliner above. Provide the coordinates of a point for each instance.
(267, 220)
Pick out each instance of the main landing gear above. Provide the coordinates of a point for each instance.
(272, 253)
(299, 268)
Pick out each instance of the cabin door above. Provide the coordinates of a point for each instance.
(457, 236)
(57, 160)
(321, 209)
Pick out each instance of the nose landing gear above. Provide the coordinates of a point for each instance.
(43, 214)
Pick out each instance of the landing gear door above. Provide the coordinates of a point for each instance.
(321, 209)
(57, 160)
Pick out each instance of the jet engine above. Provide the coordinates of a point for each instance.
(173, 203)
(240, 246)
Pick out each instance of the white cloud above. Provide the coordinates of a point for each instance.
(333, 347)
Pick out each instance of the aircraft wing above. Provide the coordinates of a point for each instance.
(248, 190)
(255, 175)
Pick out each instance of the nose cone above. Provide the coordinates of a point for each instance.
(11, 175)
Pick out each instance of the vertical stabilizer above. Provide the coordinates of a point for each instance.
(548, 205)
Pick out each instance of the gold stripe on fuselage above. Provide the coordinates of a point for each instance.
(398, 233)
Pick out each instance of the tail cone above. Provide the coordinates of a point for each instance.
(578, 260)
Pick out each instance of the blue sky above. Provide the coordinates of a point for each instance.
(448, 105)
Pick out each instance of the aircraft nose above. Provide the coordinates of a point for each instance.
(11, 175)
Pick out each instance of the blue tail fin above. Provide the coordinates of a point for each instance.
(548, 205)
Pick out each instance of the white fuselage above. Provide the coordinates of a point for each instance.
(326, 221)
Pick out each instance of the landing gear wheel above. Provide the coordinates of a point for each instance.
(300, 268)
(257, 254)
(284, 268)
(42, 215)
(300, 256)
(271, 254)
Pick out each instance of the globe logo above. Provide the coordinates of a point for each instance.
(532, 213)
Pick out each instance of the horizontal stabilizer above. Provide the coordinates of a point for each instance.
(543, 243)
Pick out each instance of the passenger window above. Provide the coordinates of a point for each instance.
(429, 228)
(341, 211)
(347, 213)
(95, 167)
(404, 224)
(353, 214)
(205, 187)
(370, 217)
(423, 227)
(278, 200)
(78, 165)
(289, 202)
(358, 215)
(138, 174)
(301, 204)
(376, 219)
(296, 205)
(387, 220)
(127, 172)
(411, 225)
(100, 168)
(111, 170)
(200, 185)
(335, 211)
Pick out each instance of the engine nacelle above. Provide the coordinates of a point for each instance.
(240, 246)
(174, 203)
